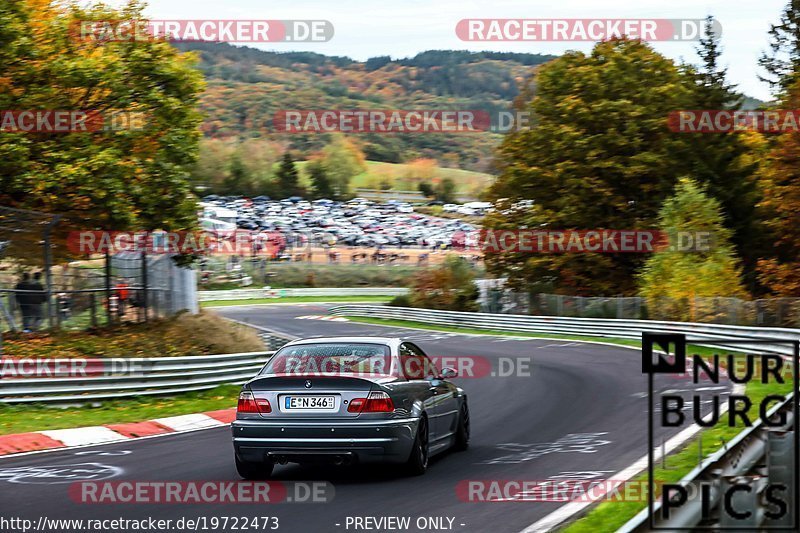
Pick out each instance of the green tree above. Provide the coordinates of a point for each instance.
(425, 188)
(445, 191)
(782, 62)
(238, 179)
(287, 181)
(131, 178)
(722, 163)
(253, 160)
(343, 160)
(318, 176)
(598, 156)
(672, 278)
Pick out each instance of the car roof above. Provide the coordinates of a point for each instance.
(388, 341)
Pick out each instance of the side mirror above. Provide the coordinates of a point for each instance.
(448, 373)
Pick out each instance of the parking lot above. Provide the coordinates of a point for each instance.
(330, 231)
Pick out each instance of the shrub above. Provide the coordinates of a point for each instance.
(450, 287)
(401, 300)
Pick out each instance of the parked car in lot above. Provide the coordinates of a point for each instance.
(358, 222)
(347, 400)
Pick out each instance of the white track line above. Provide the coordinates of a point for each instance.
(84, 436)
(188, 422)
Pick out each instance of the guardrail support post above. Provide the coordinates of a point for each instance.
(782, 471)
(700, 449)
(742, 502)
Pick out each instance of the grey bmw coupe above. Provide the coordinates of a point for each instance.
(347, 400)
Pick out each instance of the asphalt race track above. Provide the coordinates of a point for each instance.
(580, 409)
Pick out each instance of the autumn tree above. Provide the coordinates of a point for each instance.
(115, 178)
(673, 277)
(451, 286)
(779, 176)
(419, 170)
(259, 157)
(343, 161)
(598, 156)
(213, 165)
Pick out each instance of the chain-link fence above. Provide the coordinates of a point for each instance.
(778, 312)
(131, 288)
(41, 288)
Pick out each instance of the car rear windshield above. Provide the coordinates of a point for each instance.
(331, 358)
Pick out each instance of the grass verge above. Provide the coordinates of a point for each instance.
(39, 417)
(297, 299)
(202, 334)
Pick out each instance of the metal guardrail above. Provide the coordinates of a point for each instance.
(248, 294)
(712, 335)
(756, 457)
(143, 376)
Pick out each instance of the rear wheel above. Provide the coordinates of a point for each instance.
(418, 461)
(254, 470)
(462, 431)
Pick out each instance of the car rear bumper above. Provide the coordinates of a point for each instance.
(368, 441)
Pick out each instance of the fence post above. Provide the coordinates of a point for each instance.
(145, 289)
(109, 315)
(48, 275)
(171, 290)
(93, 313)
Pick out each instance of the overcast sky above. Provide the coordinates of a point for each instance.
(402, 28)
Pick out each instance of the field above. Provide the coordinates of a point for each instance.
(319, 273)
(405, 177)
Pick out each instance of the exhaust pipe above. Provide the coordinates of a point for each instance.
(338, 460)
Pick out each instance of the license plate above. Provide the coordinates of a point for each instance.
(297, 403)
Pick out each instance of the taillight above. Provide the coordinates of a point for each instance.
(263, 405)
(249, 404)
(376, 402)
(356, 404)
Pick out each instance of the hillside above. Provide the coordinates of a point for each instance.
(402, 177)
(247, 86)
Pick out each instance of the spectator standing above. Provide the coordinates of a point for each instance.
(123, 293)
(24, 300)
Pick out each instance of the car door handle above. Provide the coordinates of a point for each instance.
(435, 390)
